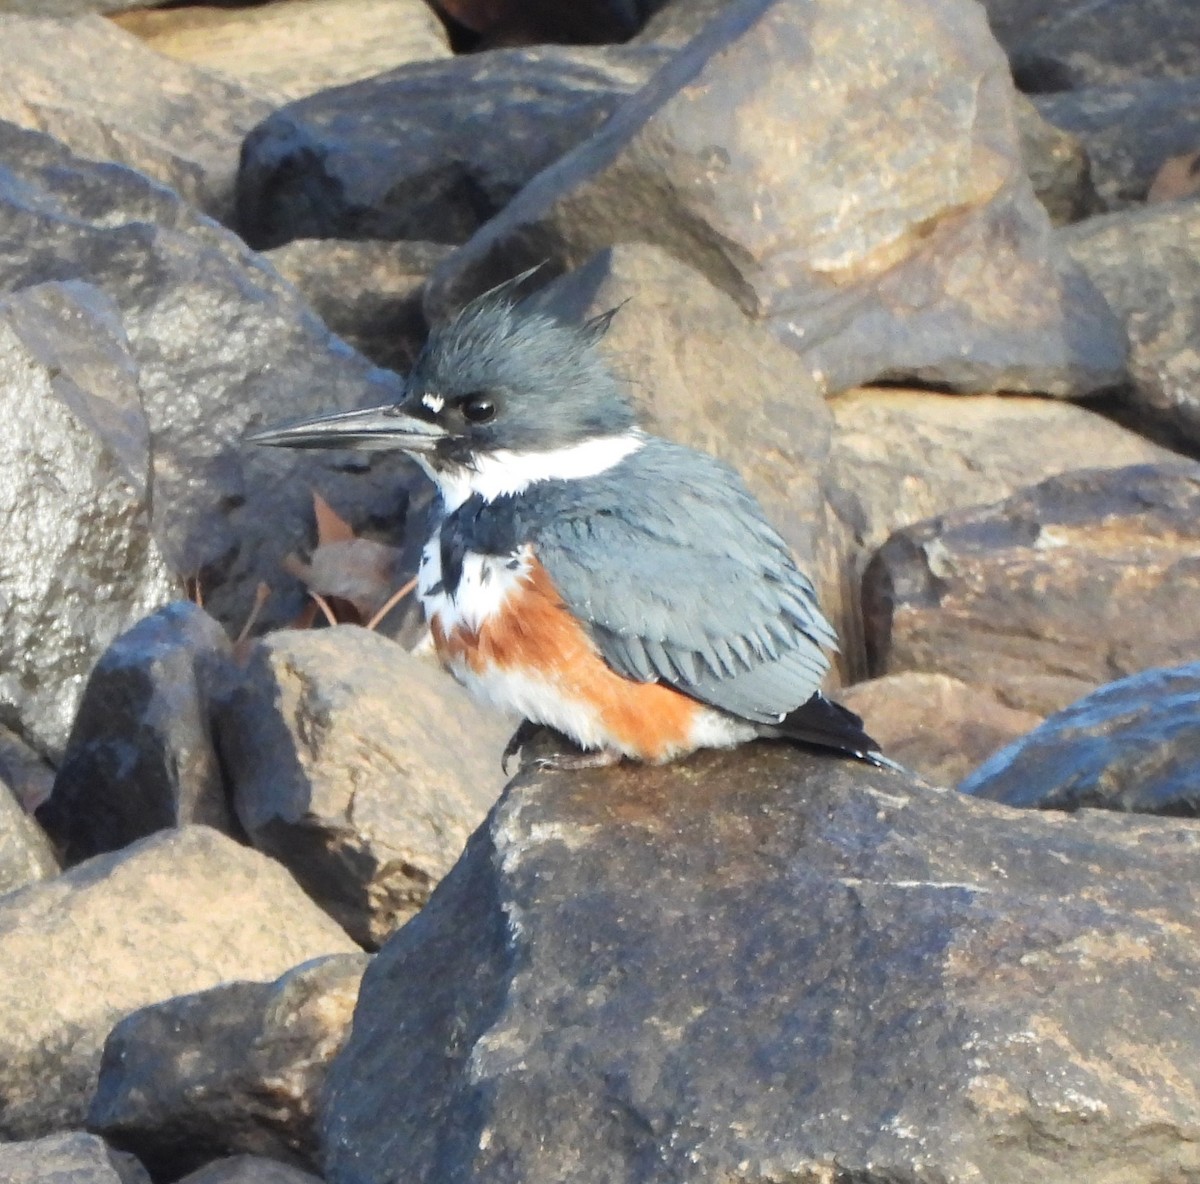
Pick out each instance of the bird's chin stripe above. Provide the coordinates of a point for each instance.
(503, 473)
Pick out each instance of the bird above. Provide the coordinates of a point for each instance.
(622, 590)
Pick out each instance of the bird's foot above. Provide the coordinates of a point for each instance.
(547, 737)
(526, 731)
(602, 758)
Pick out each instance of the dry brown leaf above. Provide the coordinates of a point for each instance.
(1178, 178)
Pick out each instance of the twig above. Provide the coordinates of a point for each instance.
(323, 605)
(391, 603)
(261, 595)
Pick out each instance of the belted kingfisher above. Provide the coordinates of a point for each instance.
(624, 591)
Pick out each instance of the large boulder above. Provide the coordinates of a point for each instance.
(1105, 42)
(72, 1157)
(236, 1068)
(362, 767)
(1129, 131)
(106, 96)
(220, 344)
(767, 965)
(292, 50)
(181, 911)
(1147, 264)
(941, 266)
(1048, 594)
(78, 559)
(430, 150)
(900, 456)
(1132, 745)
(140, 756)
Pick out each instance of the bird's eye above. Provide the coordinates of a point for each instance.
(478, 408)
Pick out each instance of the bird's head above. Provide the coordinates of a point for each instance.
(498, 385)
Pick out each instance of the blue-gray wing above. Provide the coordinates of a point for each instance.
(669, 562)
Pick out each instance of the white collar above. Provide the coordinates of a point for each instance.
(506, 472)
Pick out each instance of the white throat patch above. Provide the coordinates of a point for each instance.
(505, 472)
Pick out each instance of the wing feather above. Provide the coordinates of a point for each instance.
(669, 561)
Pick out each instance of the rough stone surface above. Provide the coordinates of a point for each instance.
(428, 151)
(233, 1069)
(1147, 264)
(106, 96)
(899, 457)
(941, 269)
(248, 1169)
(222, 344)
(68, 1158)
(766, 965)
(1043, 597)
(1129, 131)
(936, 726)
(1105, 42)
(140, 756)
(299, 47)
(25, 853)
(362, 767)
(1058, 166)
(77, 561)
(178, 912)
(367, 292)
(1132, 745)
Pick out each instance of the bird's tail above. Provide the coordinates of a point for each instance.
(826, 724)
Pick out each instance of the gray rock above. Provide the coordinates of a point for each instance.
(1129, 131)
(766, 965)
(69, 1158)
(237, 1068)
(140, 757)
(1147, 264)
(1048, 594)
(221, 345)
(294, 49)
(427, 151)
(181, 911)
(942, 269)
(248, 1169)
(900, 456)
(1103, 42)
(1058, 166)
(106, 96)
(361, 767)
(25, 853)
(367, 292)
(1132, 745)
(79, 564)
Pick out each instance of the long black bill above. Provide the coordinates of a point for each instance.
(374, 429)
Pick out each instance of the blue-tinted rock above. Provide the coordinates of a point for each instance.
(1132, 745)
